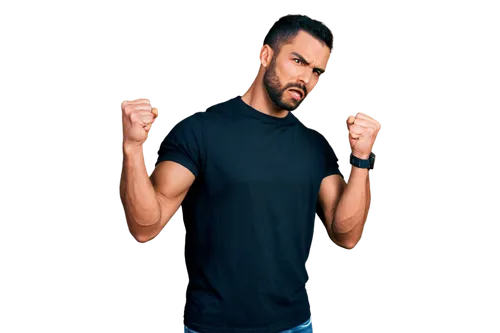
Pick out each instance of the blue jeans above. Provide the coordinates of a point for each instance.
(305, 327)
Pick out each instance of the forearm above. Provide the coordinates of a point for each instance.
(352, 209)
(137, 194)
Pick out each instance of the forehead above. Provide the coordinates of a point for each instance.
(311, 48)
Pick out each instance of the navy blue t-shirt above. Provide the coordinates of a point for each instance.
(249, 215)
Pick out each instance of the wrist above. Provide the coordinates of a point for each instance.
(362, 161)
(361, 156)
(358, 175)
(131, 149)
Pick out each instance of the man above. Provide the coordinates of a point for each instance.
(250, 178)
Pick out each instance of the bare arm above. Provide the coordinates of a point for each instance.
(150, 202)
(343, 208)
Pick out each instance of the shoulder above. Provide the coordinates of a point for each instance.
(316, 137)
(201, 119)
(327, 154)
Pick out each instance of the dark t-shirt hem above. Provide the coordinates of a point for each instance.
(181, 159)
(333, 172)
(273, 328)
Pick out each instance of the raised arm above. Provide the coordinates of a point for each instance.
(150, 202)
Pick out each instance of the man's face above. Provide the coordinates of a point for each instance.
(288, 71)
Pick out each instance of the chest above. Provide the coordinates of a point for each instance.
(262, 160)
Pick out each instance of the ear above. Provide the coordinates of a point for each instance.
(266, 54)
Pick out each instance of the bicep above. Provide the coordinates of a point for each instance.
(171, 182)
(330, 190)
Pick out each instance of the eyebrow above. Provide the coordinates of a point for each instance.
(321, 70)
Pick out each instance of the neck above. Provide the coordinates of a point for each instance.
(257, 97)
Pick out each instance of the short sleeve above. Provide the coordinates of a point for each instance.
(331, 160)
(183, 144)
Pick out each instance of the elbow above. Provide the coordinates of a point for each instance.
(348, 240)
(349, 245)
(346, 244)
(142, 233)
(143, 241)
(140, 237)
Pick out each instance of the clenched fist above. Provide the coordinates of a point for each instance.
(137, 118)
(363, 131)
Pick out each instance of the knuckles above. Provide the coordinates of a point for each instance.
(370, 130)
(376, 125)
(137, 117)
(130, 109)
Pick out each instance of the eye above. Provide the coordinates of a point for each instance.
(317, 73)
(298, 60)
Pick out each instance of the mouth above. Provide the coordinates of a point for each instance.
(297, 93)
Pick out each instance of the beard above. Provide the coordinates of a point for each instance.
(275, 90)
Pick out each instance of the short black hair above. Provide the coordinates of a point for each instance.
(287, 27)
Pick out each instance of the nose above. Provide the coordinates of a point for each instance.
(305, 77)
